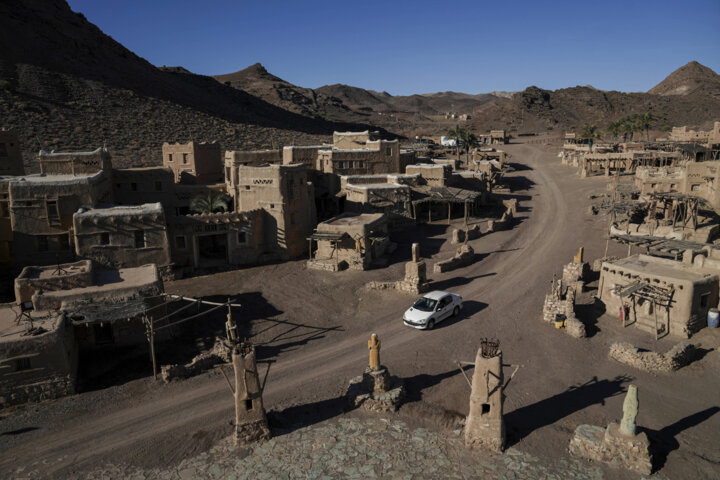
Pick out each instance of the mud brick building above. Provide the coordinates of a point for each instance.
(662, 296)
(194, 162)
(127, 236)
(38, 362)
(284, 193)
(349, 241)
(215, 239)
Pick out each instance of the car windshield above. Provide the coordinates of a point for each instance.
(425, 304)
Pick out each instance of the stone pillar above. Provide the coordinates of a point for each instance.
(415, 252)
(579, 256)
(250, 420)
(630, 410)
(484, 426)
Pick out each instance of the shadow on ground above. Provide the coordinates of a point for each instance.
(663, 441)
(525, 420)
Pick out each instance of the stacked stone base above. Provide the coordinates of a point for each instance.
(48, 388)
(415, 280)
(609, 446)
(465, 255)
(460, 234)
(376, 391)
(252, 432)
(220, 353)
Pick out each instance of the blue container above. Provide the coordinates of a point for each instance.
(713, 318)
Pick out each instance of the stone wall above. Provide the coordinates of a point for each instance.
(79, 274)
(677, 357)
(460, 234)
(50, 365)
(465, 255)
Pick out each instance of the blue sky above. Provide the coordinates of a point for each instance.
(406, 47)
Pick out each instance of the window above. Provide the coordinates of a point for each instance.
(169, 157)
(180, 242)
(63, 243)
(247, 187)
(42, 243)
(272, 205)
(52, 211)
(242, 237)
(388, 151)
(248, 404)
(133, 187)
(22, 364)
(105, 238)
(139, 239)
(185, 158)
(158, 186)
(485, 409)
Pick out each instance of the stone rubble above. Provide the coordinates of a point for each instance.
(355, 448)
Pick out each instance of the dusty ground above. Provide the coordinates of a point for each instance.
(311, 328)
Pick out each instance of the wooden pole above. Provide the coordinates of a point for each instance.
(449, 209)
(151, 341)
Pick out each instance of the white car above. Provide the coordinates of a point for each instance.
(432, 308)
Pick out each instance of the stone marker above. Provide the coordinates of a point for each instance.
(619, 446)
(485, 426)
(375, 390)
(250, 420)
(630, 409)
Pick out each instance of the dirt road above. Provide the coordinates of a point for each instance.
(561, 382)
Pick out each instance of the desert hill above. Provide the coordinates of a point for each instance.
(257, 81)
(688, 79)
(65, 84)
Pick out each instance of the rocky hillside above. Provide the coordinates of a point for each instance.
(257, 81)
(65, 84)
(689, 79)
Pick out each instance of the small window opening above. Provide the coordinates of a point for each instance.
(22, 364)
(248, 404)
(485, 408)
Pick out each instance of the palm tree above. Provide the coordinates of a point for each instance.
(456, 133)
(210, 203)
(647, 118)
(590, 133)
(615, 128)
(470, 141)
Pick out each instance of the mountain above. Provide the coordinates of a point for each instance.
(65, 84)
(257, 81)
(688, 79)
(535, 109)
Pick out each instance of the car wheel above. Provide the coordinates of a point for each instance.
(431, 324)
(456, 310)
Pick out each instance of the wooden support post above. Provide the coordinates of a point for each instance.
(429, 212)
(150, 331)
(449, 210)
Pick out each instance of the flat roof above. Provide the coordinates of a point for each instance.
(353, 219)
(10, 331)
(59, 179)
(120, 210)
(659, 267)
(108, 280)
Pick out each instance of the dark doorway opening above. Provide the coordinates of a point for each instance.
(212, 250)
